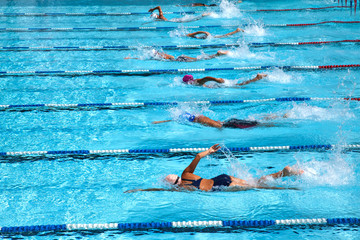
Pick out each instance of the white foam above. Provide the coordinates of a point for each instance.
(255, 30)
(243, 52)
(279, 76)
(333, 172)
(227, 10)
(179, 32)
(305, 111)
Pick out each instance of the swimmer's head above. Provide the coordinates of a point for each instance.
(173, 179)
(154, 15)
(188, 79)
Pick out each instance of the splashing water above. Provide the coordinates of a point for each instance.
(335, 172)
(180, 32)
(236, 168)
(279, 76)
(195, 109)
(227, 10)
(255, 30)
(243, 52)
(304, 111)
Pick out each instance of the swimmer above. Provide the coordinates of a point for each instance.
(191, 182)
(198, 5)
(204, 35)
(163, 18)
(231, 123)
(189, 79)
(156, 55)
(202, 5)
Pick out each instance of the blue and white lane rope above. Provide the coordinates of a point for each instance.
(165, 28)
(182, 70)
(147, 13)
(138, 104)
(180, 224)
(119, 47)
(180, 150)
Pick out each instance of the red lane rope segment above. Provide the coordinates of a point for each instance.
(321, 42)
(310, 24)
(340, 66)
(297, 9)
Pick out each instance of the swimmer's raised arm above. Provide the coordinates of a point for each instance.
(156, 8)
(161, 15)
(193, 35)
(191, 168)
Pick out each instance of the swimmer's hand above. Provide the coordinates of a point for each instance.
(151, 10)
(214, 148)
(239, 30)
(220, 52)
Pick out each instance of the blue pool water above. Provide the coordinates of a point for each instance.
(39, 190)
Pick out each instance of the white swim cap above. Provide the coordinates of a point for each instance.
(173, 179)
(154, 15)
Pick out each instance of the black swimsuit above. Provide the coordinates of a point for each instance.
(237, 123)
(222, 180)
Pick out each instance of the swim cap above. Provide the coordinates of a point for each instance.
(154, 15)
(173, 179)
(188, 78)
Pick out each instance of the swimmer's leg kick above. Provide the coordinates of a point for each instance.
(286, 172)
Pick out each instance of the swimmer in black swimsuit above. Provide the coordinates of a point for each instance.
(190, 181)
(230, 123)
(204, 35)
(198, 5)
(202, 5)
(189, 79)
(160, 56)
(163, 18)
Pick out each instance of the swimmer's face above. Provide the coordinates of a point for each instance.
(173, 179)
(154, 15)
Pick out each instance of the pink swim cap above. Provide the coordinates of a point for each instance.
(188, 78)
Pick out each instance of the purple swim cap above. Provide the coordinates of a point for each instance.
(188, 78)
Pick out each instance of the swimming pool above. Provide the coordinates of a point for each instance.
(76, 188)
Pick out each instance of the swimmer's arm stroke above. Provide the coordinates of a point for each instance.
(203, 80)
(191, 168)
(157, 122)
(193, 35)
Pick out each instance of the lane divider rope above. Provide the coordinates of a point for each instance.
(137, 104)
(180, 150)
(24, 48)
(165, 28)
(59, 14)
(159, 71)
(182, 224)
